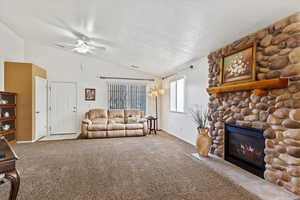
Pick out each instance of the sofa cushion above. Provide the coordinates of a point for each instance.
(97, 134)
(134, 126)
(100, 121)
(116, 133)
(97, 127)
(132, 116)
(116, 116)
(115, 126)
(133, 120)
(138, 132)
(97, 113)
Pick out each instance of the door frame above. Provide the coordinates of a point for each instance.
(50, 104)
(47, 105)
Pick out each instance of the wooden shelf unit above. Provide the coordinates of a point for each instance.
(5, 119)
(7, 105)
(3, 133)
(259, 87)
(11, 108)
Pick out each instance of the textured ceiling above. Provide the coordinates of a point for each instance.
(157, 35)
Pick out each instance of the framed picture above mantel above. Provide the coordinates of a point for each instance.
(239, 66)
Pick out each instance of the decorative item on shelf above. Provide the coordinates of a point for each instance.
(204, 141)
(2, 155)
(6, 127)
(239, 66)
(6, 114)
(155, 92)
(90, 94)
(2, 101)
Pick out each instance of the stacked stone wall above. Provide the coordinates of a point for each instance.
(278, 113)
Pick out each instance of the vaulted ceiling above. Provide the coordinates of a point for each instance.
(156, 35)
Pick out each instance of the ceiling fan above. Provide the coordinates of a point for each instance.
(81, 46)
(82, 43)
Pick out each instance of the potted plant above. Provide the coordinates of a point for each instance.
(204, 141)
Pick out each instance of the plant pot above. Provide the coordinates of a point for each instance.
(204, 142)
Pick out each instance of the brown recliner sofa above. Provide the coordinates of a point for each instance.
(101, 123)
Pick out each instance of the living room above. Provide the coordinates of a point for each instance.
(149, 100)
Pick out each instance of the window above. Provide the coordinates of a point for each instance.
(177, 95)
(127, 96)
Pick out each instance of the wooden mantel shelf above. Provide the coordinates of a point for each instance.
(258, 87)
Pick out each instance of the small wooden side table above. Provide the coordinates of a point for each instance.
(152, 124)
(8, 167)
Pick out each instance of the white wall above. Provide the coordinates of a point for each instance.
(66, 66)
(69, 67)
(196, 80)
(11, 49)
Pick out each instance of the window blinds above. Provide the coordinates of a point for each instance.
(127, 96)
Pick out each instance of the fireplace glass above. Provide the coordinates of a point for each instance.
(245, 147)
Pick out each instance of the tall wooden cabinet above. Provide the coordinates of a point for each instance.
(20, 78)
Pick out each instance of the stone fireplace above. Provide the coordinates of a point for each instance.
(244, 147)
(276, 114)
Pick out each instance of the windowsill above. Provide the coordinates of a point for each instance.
(177, 112)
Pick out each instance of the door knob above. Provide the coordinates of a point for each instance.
(37, 112)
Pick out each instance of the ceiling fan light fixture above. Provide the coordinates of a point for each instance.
(82, 47)
(81, 50)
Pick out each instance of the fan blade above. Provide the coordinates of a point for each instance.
(102, 41)
(94, 44)
(101, 48)
(58, 27)
(76, 33)
(80, 36)
(65, 45)
(59, 45)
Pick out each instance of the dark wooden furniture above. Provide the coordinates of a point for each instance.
(8, 103)
(8, 167)
(152, 124)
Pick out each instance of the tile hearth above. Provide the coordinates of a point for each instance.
(253, 184)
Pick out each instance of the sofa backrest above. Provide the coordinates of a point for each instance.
(102, 116)
(98, 116)
(133, 115)
(116, 116)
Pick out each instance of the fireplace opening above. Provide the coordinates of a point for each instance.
(244, 147)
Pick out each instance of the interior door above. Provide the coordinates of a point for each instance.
(63, 108)
(40, 107)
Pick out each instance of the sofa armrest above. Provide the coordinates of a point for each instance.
(87, 121)
(142, 120)
(84, 128)
(145, 128)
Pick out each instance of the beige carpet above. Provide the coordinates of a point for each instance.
(150, 168)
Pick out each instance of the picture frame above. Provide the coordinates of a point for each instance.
(239, 66)
(90, 94)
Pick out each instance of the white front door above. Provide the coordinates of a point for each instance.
(40, 107)
(63, 107)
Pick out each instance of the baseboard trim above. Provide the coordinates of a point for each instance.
(162, 130)
(25, 142)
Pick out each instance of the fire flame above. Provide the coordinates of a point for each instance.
(249, 149)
